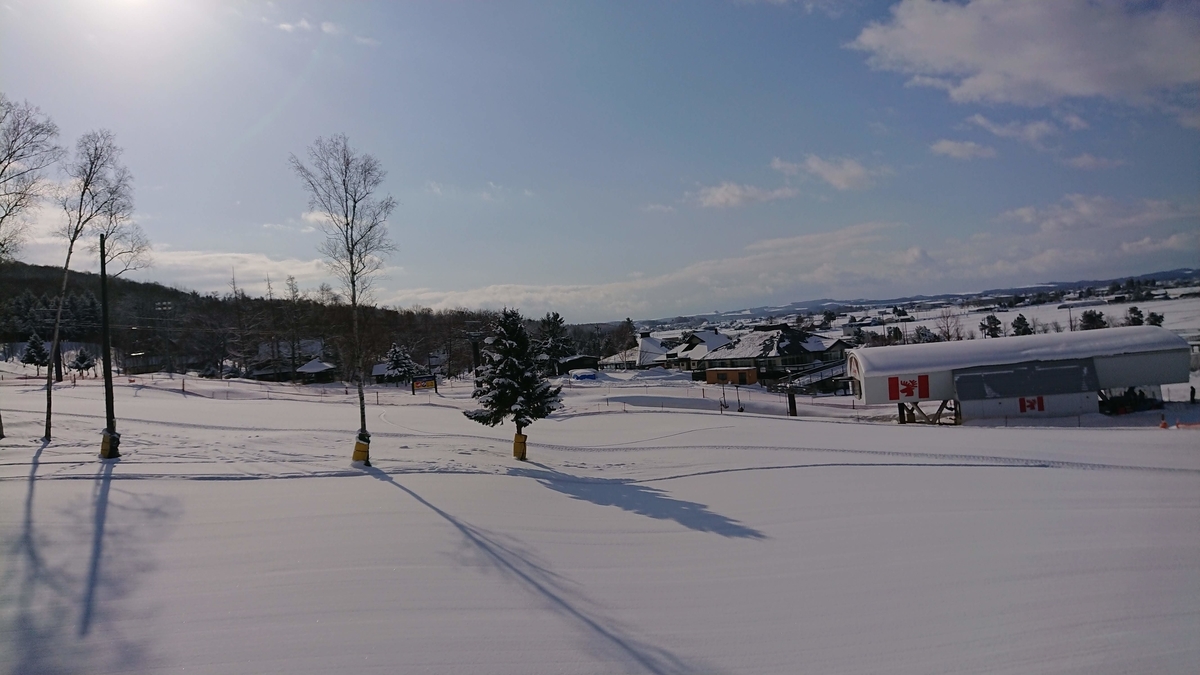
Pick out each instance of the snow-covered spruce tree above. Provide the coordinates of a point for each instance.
(509, 385)
(553, 342)
(83, 361)
(400, 366)
(35, 353)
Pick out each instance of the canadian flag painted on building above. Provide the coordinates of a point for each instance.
(1032, 404)
(908, 387)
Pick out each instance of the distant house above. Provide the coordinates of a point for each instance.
(774, 351)
(577, 362)
(317, 371)
(648, 353)
(696, 344)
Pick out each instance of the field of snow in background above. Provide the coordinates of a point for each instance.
(649, 533)
(1179, 314)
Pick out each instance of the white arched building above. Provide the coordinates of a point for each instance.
(1054, 374)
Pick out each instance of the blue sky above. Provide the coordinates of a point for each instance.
(643, 159)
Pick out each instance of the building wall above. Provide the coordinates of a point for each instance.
(1057, 405)
(1132, 370)
(738, 376)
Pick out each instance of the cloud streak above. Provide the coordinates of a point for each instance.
(961, 149)
(1039, 53)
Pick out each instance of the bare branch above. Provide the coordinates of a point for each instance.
(27, 149)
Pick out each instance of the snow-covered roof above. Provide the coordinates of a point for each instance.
(647, 351)
(943, 356)
(379, 370)
(765, 344)
(699, 343)
(315, 366)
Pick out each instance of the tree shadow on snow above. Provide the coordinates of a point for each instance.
(557, 593)
(640, 499)
(63, 586)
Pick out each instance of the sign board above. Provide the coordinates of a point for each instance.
(908, 388)
(424, 382)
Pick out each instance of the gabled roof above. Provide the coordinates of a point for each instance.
(646, 353)
(315, 366)
(765, 344)
(699, 343)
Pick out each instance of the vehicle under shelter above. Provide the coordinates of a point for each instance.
(1049, 375)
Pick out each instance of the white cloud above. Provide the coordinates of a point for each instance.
(314, 217)
(330, 28)
(1090, 162)
(1037, 53)
(786, 168)
(729, 194)
(1031, 133)
(961, 149)
(1074, 122)
(659, 208)
(1179, 241)
(302, 24)
(369, 42)
(207, 271)
(1077, 213)
(831, 8)
(842, 173)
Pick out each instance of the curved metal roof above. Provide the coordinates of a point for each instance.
(944, 356)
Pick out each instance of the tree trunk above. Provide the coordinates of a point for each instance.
(358, 360)
(62, 294)
(58, 363)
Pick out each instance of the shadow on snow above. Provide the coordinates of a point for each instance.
(637, 498)
(557, 593)
(59, 618)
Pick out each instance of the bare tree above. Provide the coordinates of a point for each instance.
(126, 247)
(27, 149)
(341, 187)
(98, 189)
(948, 325)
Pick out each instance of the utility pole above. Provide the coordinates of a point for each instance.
(112, 440)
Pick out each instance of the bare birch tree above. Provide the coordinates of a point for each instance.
(341, 186)
(126, 247)
(98, 189)
(27, 149)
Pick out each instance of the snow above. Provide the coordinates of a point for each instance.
(234, 536)
(944, 356)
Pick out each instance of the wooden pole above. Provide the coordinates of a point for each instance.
(110, 418)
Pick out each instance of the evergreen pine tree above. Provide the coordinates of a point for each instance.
(1091, 320)
(509, 385)
(1154, 319)
(1020, 326)
(553, 342)
(83, 361)
(35, 353)
(1134, 317)
(990, 326)
(400, 366)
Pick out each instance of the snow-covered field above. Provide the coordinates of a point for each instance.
(1179, 314)
(648, 533)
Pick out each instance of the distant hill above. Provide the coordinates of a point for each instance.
(819, 305)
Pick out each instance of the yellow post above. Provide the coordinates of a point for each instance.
(109, 444)
(362, 449)
(519, 446)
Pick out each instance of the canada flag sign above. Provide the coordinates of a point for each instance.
(1032, 404)
(908, 387)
